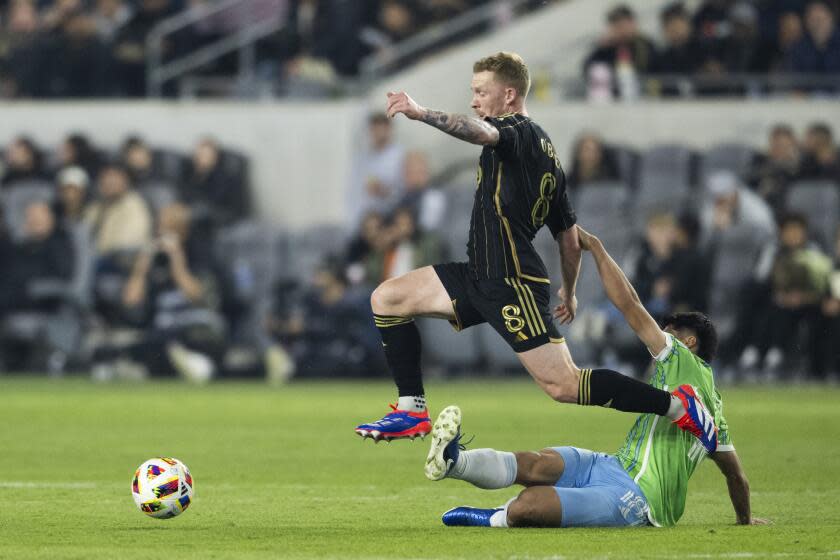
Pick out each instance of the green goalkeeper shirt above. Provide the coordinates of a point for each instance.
(657, 454)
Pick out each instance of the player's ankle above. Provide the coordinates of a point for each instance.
(412, 403)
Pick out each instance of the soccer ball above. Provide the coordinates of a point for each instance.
(162, 487)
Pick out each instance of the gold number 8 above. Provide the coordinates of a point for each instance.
(513, 321)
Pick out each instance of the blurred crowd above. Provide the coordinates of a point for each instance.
(98, 48)
(702, 49)
(758, 248)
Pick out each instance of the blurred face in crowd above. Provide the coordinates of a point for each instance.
(40, 222)
(174, 220)
(138, 157)
(589, 154)
(72, 197)
(783, 148)
(403, 227)
(793, 235)
(416, 171)
(329, 286)
(790, 29)
(205, 156)
(820, 22)
(23, 17)
(660, 234)
(624, 29)
(19, 155)
(380, 133)
(677, 30)
(108, 8)
(396, 19)
(113, 183)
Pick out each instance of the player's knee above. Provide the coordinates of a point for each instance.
(524, 511)
(386, 298)
(562, 392)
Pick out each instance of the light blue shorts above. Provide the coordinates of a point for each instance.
(596, 491)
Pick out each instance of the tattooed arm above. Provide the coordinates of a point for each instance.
(462, 127)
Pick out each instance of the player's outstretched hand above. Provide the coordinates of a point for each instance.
(401, 102)
(566, 310)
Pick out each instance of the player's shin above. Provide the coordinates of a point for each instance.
(485, 468)
(610, 389)
(401, 343)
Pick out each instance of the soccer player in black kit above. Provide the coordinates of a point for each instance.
(521, 187)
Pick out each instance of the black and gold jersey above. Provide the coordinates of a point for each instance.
(521, 187)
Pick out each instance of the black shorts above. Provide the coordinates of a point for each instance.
(517, 309)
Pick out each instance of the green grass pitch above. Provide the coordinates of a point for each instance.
(280, 474)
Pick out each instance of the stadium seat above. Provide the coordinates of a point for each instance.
(729, 156)
(669, 163)
(820, 202)
(311, 246)
(248, 251)
(17, 196)
(628, 164)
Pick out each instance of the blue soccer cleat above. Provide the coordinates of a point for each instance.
(465, 516)
(446, 444)
(397, 424)
(697, 420)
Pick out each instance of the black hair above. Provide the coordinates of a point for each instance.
(701, 326)
(690, 224)
(619, 12)
(821, 128)
(796, 218)
(672, 11)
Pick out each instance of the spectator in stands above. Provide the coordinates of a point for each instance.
(745, 50)
(711, 20)
(23, 53)
(732, 209)
(788, 33)
(623, 43)
(110, 17)
(426, 202)
(171, 294)
(370, 238)
(680, 54)
(591, 162)
(829, 331)
(689, 269)
(137, 157)
(329, 332)
(22, 160)
(771, 173)
(377, 179)
(822, 159)
(217, 198)
(798, 281)
(77, 150)
(401, 247)
(77, 60)
(72, 183)
(45, 254)
(120, 218)
(129, 47)
(818, 52)
(649, 262)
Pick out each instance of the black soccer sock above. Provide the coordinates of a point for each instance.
(610, 389)
(401, 341)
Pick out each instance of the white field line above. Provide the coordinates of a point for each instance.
(33, 485)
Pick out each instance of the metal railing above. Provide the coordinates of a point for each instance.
(493, 13)
(688, 86)
(158, 71)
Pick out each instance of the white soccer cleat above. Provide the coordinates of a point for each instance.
(446, 438)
